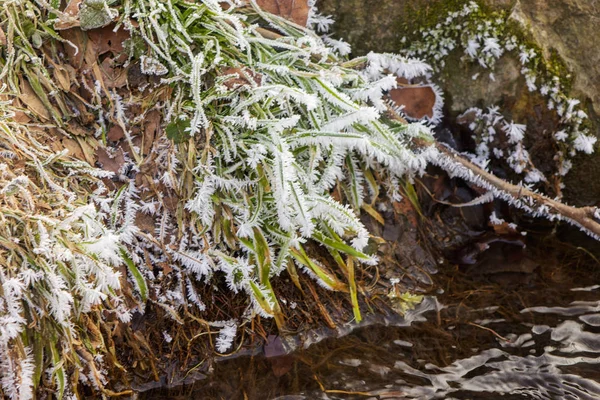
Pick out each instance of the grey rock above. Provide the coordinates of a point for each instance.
(569, 28)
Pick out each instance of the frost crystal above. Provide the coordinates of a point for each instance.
(585, 143)
(515, 132)
(151, 66)
(226, 337)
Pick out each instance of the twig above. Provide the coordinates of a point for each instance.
(489, 330)
(322, 387)
(584, 217)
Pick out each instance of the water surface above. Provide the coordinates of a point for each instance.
(482, 335)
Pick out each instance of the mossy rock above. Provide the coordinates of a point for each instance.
(565, 31)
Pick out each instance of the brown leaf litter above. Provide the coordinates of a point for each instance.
(418, 100)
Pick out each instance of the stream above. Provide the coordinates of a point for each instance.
(508, 335)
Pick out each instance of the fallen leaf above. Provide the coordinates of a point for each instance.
(72, 13)
(85, 117)
(281, 365)
(467, 117)
(99, 75)
(244, 77)
(148, 167)
(106, 39)
(114, 77)
(418, 101)
(95, 14)
(404, 207)
(166, 268)
(145, 222)
(504, 228)
(75, 51)
(2, 38)
(32, 101)
(21, 117)
(76, 129)
(135, 77)
(89, 150)
(292, 10)
(171, 202)
(440, 187)
(73, 147)
(151, 130)
(110, 162)
(115, 133)
(61, 75)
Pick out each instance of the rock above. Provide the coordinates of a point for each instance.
(566, 30)
(570, 27)
(463, 92)
(367, 25)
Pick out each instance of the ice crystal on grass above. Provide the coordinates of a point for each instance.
(151, 66)
(226, 336)
(234, 187)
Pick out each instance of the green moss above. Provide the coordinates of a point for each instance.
(441, 42)
(554, 65)
(426, 16)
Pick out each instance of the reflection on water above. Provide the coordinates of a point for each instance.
(561, 364)
(534, 338)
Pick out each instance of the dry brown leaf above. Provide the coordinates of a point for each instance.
(32, 101)
(81, 53)
(292, 10)
(89, 146)
(75, 56)
(109, 162)
(73, 147)
(72, 73)
(107, 40)
(85, 117)
(77, 130)
(244, 76)
(504, 229)
(2, 38)
(144, 222)
(418, 101)
(404, 207)
(21, 117)
(135, 77)
(72, 12)
(100, 78)
(115, 133)
(151, 130)
(62, 75)
(171, 202)
(114, 77)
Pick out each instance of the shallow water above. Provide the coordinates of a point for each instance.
(533, 336)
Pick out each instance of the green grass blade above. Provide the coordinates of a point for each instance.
(139, 279)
